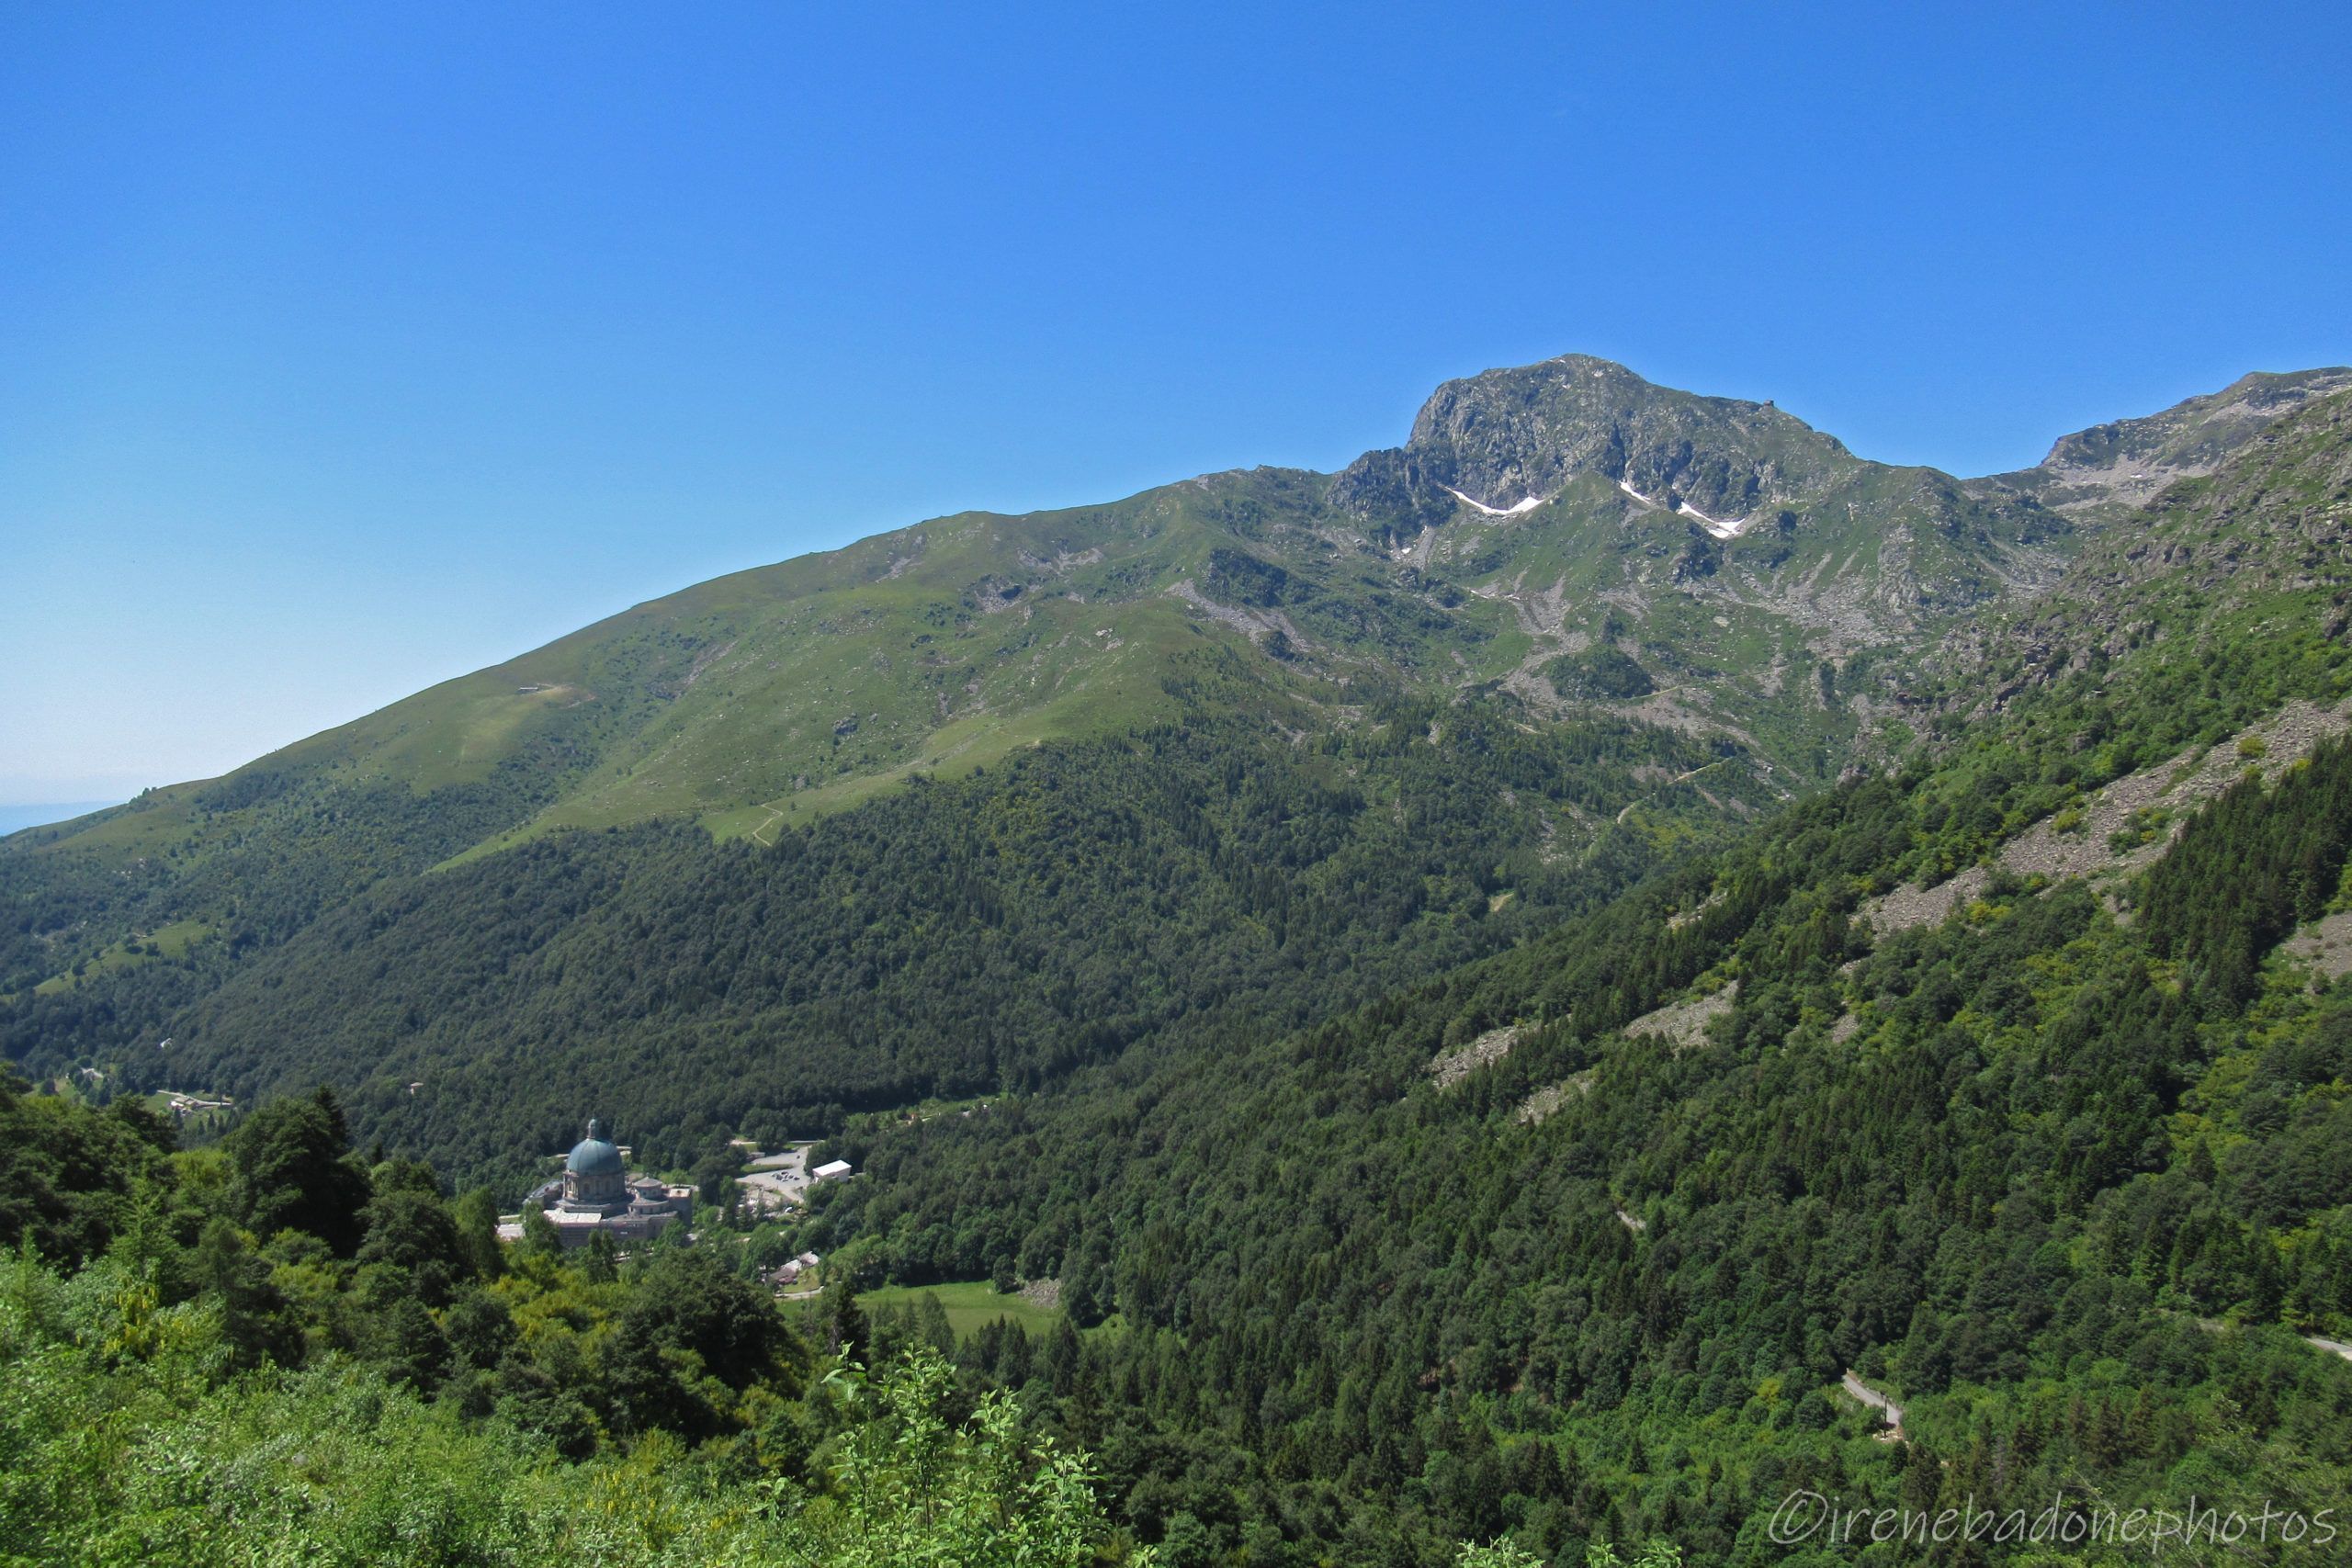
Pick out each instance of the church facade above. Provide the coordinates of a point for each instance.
(596, 1195)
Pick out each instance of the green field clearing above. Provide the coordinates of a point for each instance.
(168, 941)
(971, 1305)
(160, 1102)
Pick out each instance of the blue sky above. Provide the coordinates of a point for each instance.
(344, 349)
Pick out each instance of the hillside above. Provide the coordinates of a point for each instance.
(2103, 472)
(1734, 543)
(1441, 1103)
(1623, 620)
(1597, 1237)
(1534, 515)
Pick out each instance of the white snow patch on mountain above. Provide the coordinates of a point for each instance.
(1718, 528)
(1513, 510)
(1721, 530)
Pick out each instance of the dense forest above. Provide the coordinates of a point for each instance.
(2072, 1208)
(982, 936)
(2072, 1211)
(269, 1351)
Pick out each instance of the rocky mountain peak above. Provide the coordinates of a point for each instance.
(1507, 437)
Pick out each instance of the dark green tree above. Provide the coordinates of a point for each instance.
(294, 1170)
(413, 1230)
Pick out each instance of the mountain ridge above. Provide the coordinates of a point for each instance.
(764, 702)
(1692, 475)
(2109, 469)
(1461, 1122)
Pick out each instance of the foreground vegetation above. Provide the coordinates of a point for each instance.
(2069, 1211)
(2062, 1187)
(268, 1353)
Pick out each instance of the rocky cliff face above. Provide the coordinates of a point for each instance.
(2274, 516)
(2096, 475)
(1756, 504)
(1506, 437)
(2256, 554)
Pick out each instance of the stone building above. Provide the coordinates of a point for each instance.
(596, 1194)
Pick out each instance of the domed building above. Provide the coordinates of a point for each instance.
(596, 1177)
(596, 1194)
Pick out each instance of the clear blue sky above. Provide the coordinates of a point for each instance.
(347, 348)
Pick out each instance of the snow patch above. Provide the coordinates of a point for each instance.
(1513, 510)
(1720, 528)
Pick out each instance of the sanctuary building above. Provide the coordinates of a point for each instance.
(597, 1195)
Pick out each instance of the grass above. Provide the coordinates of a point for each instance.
(771, 697)
(169, 942)
(757, 751)
(971, 1305)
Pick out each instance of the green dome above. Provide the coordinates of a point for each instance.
(593, 1155)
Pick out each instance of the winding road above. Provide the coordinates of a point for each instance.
(1888, 1410)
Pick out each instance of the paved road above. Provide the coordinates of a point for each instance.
(1880, 1403)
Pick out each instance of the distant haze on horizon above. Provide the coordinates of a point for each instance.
(351, 351)
(41, 814)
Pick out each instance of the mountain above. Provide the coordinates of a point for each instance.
(1836, 543)
(2230, 583)
(1623, 620)
(1724, 547)
(2006, 1093)
(1422, 1104)
(795, 688)
(2102, 473)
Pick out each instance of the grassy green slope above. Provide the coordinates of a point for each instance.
(939, 645)
(976, 935)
